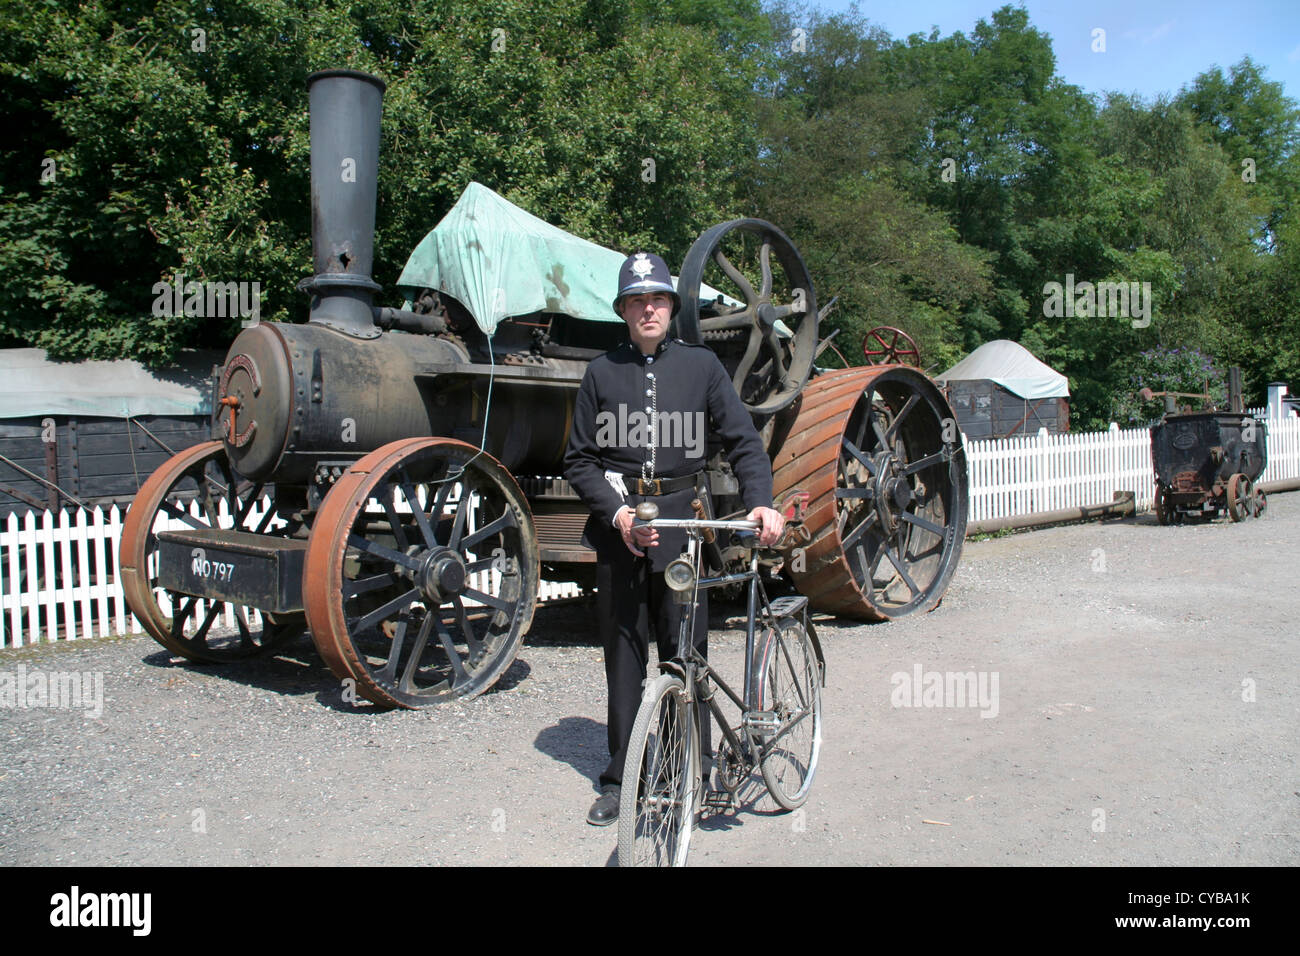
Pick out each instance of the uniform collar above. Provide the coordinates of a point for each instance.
(657, 353)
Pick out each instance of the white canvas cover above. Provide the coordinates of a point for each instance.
(1013, 367)
(31, 384)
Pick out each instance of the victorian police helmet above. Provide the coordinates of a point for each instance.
(644, 272)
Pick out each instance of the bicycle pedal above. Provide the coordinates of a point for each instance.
(762, 721)
(719, 800)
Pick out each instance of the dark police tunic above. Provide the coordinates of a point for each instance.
(651, 416)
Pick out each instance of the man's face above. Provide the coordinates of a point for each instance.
(647, 316)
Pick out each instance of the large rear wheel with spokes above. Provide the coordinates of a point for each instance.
(421, 575)
(657, 807)
(879, 451)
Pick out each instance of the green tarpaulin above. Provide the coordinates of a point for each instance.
(499, 261)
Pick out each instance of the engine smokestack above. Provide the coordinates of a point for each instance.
(345, 111)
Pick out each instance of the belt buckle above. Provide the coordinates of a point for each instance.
(653, 484)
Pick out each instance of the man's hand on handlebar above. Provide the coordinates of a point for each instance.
(634, 537)
(773, 523)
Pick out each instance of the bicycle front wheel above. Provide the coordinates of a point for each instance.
(657, 808)
(789, 687)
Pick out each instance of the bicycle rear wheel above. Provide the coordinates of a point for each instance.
(789, 686)
(657, 808)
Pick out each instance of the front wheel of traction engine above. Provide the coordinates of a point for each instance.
(197, 490)
(422, 573)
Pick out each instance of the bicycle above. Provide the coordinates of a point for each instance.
(780, 725)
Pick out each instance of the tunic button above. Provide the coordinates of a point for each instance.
(647, 409)
(647, 391)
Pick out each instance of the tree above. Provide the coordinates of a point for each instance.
(1158, 206)
(834, 152)
(1258, 128)
(179, 135)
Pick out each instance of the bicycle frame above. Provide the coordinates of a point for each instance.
(663, 785)
(694, 668)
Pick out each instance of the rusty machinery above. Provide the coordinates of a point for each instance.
(1209, 461)
(410, 542)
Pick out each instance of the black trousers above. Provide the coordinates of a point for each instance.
(632, 602)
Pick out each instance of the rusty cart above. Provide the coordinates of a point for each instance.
(1207, 463)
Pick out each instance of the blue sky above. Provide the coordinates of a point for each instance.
(1152, 46)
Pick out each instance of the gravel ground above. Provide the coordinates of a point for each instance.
(1145, 715)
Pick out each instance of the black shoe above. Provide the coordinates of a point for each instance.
(605, 810)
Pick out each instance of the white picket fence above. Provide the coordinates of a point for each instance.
(1013, 477)
(59, 573)
(1010, 477)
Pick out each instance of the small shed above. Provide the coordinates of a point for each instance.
(1000, 390)
(93, 431)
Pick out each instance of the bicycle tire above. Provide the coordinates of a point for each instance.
(789, 684)
(657, 807)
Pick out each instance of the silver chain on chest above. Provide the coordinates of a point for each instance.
(648, 467)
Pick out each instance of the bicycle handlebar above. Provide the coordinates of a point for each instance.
(647, 516)
(696, 524)
(794, 533)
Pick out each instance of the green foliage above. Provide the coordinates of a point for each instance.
(1185, 370)
(183, 152)
(832, 174)
(933, 183)
(1257, 126)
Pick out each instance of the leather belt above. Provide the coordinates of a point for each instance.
(653, 487)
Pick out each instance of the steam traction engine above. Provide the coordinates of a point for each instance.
(409, 455)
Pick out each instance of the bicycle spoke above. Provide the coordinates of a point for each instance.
(789, 689)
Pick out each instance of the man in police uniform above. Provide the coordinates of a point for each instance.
(639, 433)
